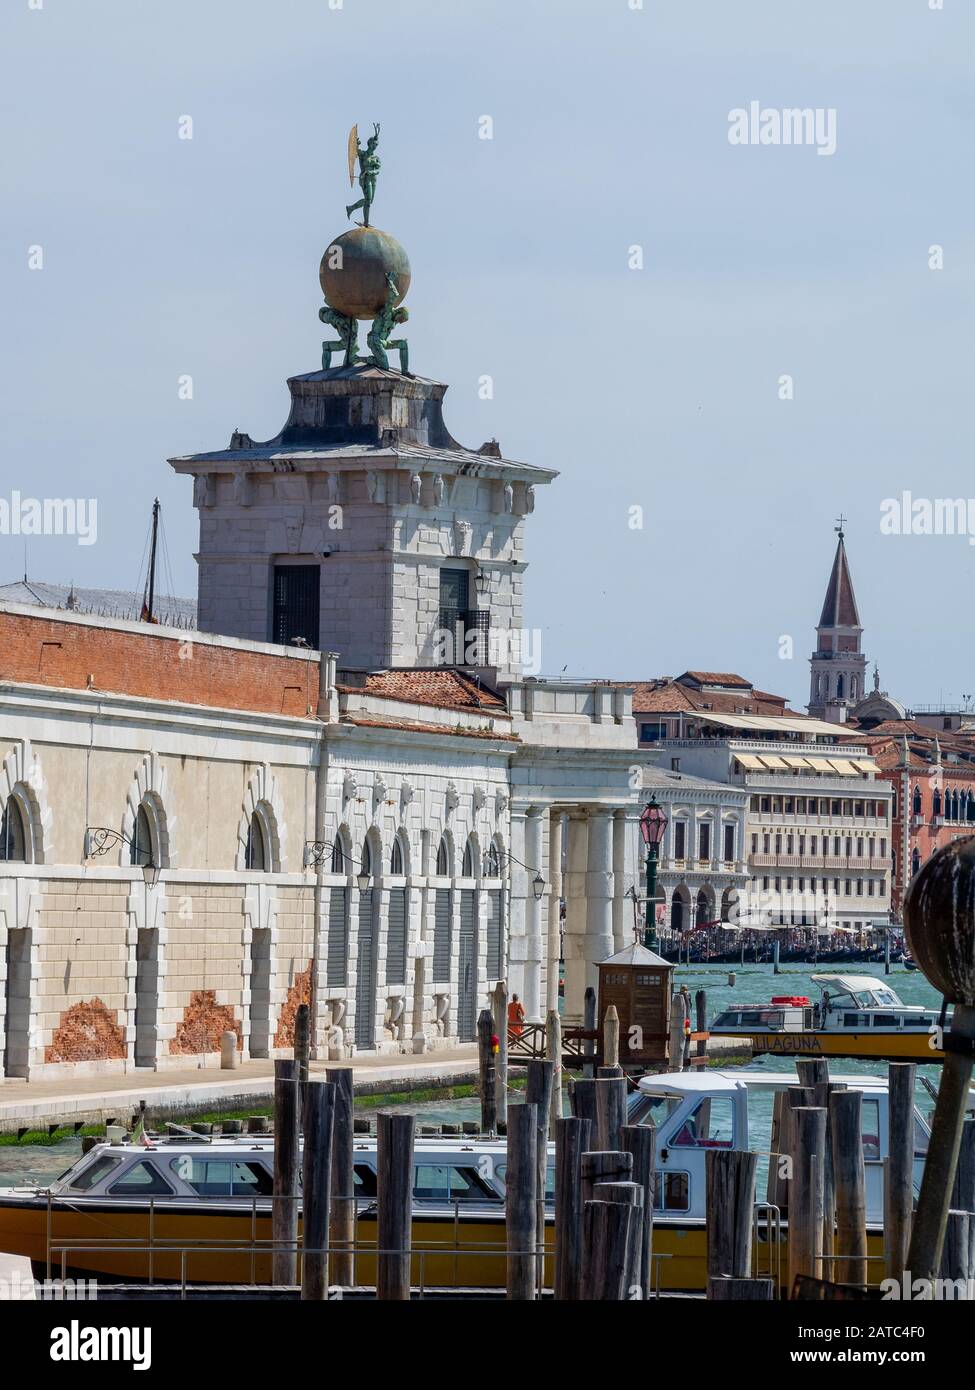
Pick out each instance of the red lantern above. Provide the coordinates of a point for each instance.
(653, 823)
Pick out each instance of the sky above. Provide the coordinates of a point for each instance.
(636, 286)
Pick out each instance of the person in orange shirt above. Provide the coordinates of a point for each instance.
(516, 1016)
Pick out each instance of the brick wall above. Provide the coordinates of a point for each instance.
(71, 654)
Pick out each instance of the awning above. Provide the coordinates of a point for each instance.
(749, 763)
(771, 760)
(802, 763)
(866, 764)
(843, 766)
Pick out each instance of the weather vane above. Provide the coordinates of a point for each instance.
(839, 528)
(369, 167)
(364, 274)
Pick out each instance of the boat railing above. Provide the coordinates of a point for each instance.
(155, 1245)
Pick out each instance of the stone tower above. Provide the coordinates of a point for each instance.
(837, 666)
(364, 528)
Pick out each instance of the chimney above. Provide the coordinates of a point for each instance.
(328, 696)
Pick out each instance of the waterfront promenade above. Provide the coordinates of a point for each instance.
(95, 1099)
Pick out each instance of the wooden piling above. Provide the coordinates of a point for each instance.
(394, 1205)
(963, 1190)
(850, 1266)
(730, 1178)
(678, 1013)
(631, 1195)
(571, 1142)
(606, 1235)
(956, 1256)
(538, 1092)
(284, 1213)
(342, 1219)
(302, 1042)
(600, 1165)
(806, 1194)
(520, 1196)
(812, 1071)
(610, 1110)
(611, 1037)
(792, 1098)
(582, 1097)
(775, 1187)
(640, 1142)
(899, 1168)
(553, 1052)
(488, 1073)
(701, 1020)
(316, 1188)
(499, 1012)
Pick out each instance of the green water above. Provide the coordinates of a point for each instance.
(754, 984)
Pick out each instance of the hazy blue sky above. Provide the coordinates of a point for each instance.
(656, 388)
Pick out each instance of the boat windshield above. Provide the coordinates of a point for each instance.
(652, 1109)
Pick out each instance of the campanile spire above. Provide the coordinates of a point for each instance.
(837, 666)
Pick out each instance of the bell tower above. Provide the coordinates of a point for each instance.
(837, 666)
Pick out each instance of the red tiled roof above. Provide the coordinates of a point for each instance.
(440, 686)
(728, 678)
(671, 697)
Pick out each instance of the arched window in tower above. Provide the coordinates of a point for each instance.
(839, 686)
(142, 847)
(853, 687)
(13, 839)
(338, 856)
(255, 853)
(396, 857)
(443, 859)
(916, 803)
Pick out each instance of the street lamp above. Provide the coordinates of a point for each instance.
(362, 878)
(538, 887)
(653, 823)
(150, 872)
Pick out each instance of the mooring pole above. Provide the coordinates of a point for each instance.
(394, 1203)
(488, 1073)
(284, 1202)
(316, 1188)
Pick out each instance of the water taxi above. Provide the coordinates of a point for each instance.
(198, 1210)
(856, 1016)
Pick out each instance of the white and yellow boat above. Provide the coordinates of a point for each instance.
(199, 1210)
(856, 1016)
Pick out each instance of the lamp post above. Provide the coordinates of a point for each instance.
(653, 823)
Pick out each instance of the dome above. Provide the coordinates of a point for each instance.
(354, 282)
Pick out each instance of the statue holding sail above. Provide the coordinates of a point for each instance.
(369, 167)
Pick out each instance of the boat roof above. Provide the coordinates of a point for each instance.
(694, 1083)
(852, 983)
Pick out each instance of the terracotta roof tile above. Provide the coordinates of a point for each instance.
(457, 731)
(440, 685)
(728, 678)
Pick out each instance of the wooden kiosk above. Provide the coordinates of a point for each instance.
(638, 982)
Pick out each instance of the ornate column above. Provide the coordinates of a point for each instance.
(532, 979)
(574, 891)
(556, 831)
(517, 913)
(599, 892)
(622, 920)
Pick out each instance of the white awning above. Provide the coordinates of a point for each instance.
(773, 761)
(749, 762)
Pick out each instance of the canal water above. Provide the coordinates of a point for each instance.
(42, 1163)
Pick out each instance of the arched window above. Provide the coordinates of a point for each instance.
(677, 913)
(853, 687)
(915, 861)
(13, 839)
(141, 849)
(468, 870)
(492, 863)
(839, 687)
(396, 857)
(936, 804)
(443, 859)
(338, 856)
(255, 854)
(365, 858)
(954, 806)
(703, 908)
(917, 801)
